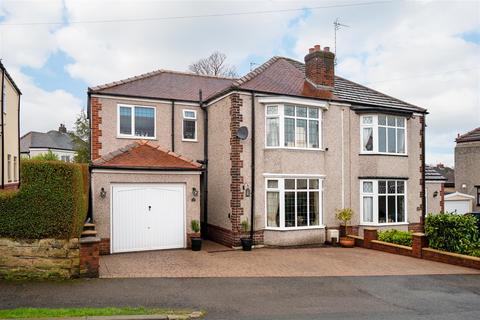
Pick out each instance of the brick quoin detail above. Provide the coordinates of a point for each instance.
(236, 165)
(442, 198)
(96, 107)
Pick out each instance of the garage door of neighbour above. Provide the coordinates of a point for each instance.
(147, 217)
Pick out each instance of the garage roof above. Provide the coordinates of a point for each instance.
(145, 155)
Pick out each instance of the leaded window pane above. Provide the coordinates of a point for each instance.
(289, 132)
(301, 184)
(301, 112)
(313, 134)
(368, 187)
(382, 120)
(367, 120)
(289, 110)
(391, 121)
(144, 122)
(289, 209)
(302, 209)
(314, 205)
(290, 184)
(313, 183)
(400, 122)
(301, 133)
(382, 187)
(125, 120)
(313, 113)
(272, 110)
(272, 184)
(273, 132)
(401, 187)
(391, 186)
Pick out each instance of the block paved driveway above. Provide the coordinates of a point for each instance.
(218, 261)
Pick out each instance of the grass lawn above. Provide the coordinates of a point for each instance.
(79, 312)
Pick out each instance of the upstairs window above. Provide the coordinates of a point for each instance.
(136, 121)
(293, 126)
(189, 125)
(383, 134)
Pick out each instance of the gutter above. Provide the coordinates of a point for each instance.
(252, 191)
(92, 167)
(3, 127)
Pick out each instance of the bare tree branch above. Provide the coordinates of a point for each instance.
(214, 65)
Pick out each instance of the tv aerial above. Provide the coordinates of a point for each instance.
(337, 25)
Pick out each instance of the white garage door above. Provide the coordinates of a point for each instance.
(457, 206)
(147, 217)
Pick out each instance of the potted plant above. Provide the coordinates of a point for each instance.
(345, 215)
(246, 242)
(196, 241)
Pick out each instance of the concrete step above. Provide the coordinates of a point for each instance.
(88, 233)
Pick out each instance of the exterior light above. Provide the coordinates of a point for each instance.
(194, 192)
(435, 194)
(103, 193)
(246, 188)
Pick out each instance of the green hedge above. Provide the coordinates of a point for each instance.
(403, 238)
(453, 233)
(51, 203)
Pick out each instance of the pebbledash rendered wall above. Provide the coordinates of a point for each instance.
(230, 169)
(39, 259)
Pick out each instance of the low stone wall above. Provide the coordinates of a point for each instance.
(391, 248)
(451, 258)
(39, 259)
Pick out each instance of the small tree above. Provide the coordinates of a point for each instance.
(195, 225)
(214, 65)
(81, 138)
(47, 156)
(344, 215)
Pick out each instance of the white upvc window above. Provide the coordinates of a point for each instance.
(383, 202)
(9, 168)
(189, 125)
(15, 166)
(383, 134)
(293, 126)
(293, 203)
(136, 121)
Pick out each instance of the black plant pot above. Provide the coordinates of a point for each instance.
(246, 244)
(196, 244)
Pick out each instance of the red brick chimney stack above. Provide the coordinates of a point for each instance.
(320, 68)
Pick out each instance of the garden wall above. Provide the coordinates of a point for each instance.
(39, 259)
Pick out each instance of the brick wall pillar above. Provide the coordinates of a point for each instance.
(89, 257)
(419, 241)
(369, 234)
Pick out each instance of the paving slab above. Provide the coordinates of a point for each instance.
(219, 261)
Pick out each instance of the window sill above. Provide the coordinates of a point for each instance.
(189, 140)
(383, 224)
(136, 138)
(293, 148)
(295, 228)
(383, 154)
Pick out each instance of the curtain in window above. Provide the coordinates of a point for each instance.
(273, 132)
(368, 209)
(367, 139)
(273, 209)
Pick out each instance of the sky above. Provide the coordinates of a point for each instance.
(425, 52)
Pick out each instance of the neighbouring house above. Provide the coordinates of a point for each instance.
(59, 142)
(282, 147)
(467, 174)
(434, 190)
(449, 174)
(10, 131)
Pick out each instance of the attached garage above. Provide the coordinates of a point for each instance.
(139, 208)
(147, 217)
(458, 203)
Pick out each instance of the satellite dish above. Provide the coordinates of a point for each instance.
(242, 133)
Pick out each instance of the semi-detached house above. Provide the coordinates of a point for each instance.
(282, 147)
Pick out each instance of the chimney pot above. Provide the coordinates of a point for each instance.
(317, 47)
(62, 128)
(311, 50)
(320, 67)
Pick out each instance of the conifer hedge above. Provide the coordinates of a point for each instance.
(52, 201)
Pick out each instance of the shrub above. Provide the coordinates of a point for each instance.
(453, 233)
(403, 238)
(51, 203)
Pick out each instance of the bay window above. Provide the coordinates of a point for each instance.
(293, 202)
(383, 134)
(292, 126)
(383, 201)
(136, 121)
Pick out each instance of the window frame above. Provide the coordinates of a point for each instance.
(132, 135)
(9, 167)
(281, 125)
(281, 192)
(375, 196)
(184, 117)
(15, 168)
(374, 125)
(478, 195)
